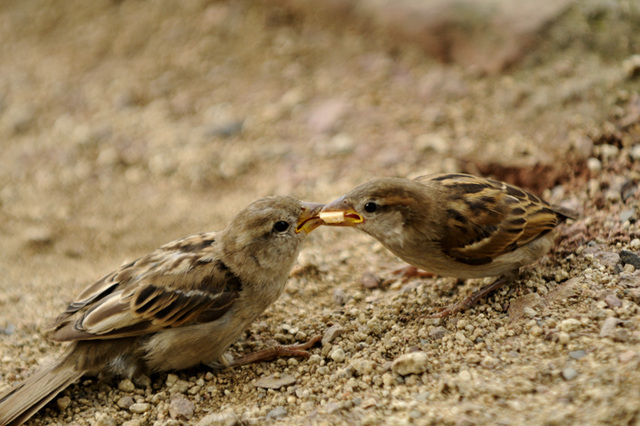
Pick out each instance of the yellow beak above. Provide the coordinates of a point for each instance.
(340, 213)
(309, 219)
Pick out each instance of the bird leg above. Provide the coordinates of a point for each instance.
(474, 298)
(411, 271)
(276, 352)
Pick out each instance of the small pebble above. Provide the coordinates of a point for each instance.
(277, 413)
(464, 375)
(142, 381)
(181, 386)
(227, 418)
(609, 326)
(347, 372)
(331, 333)
(126, 402)
(139, 407)
(579, 354)
(387, 379)
(171, 379)
(412, 363)
(63, 403)
(338, 355)
(621, 335)
(126, 385)
(102, 419)
(489, 362)
(370, 280)
(627, 356)
(569, 325)
(180, 407)
(438, 332)
(612, 301)
(340, 297)
(563, 338)
(608, 151)
(535, 331)
(569, 373)
(272, 382)
(594, 165)
(363, 366)
(627, 215)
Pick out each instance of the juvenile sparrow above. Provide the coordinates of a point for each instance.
(454, 225)
(180, 305)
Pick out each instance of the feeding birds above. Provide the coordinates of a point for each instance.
(454, 225)
(180, 305)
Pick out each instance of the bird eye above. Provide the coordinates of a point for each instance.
(281, 226)
(370, 207)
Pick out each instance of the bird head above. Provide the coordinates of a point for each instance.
(268, 233)
(380, 207)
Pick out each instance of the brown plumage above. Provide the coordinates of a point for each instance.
(455, 225)
(181, 305)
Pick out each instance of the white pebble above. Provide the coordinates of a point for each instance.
(337, 355)
(489, 362)
(563, 338)
(139, 407)
(594, 165)
(569, 325)
(412, 363)
(126, 385)
(608, 151)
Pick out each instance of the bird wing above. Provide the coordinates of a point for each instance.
(181, 283)
(486, 218)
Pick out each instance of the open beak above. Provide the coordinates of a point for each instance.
(309, 219)
(340, 213)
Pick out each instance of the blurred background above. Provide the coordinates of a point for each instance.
(125, 124)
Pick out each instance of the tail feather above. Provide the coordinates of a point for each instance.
(566, 212)
(17, 405)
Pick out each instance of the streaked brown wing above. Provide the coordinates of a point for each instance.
(179, 284)
(487, 218)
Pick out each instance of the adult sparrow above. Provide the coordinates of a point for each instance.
(454, 225)
(180, 305)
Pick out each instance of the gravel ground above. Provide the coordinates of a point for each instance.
(127, 124)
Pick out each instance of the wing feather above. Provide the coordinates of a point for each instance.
(486, 218)
(142, 297)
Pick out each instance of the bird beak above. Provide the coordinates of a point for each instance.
(309, 219)
(340, 213)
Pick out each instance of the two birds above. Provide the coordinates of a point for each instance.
(185, 303)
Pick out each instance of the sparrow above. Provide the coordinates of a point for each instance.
(454, 225)
(179, 306)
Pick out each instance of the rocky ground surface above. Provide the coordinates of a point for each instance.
(127, 124)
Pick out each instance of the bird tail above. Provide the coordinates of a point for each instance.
(566, 212)
(17, 405)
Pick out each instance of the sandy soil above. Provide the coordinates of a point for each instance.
(125, 125)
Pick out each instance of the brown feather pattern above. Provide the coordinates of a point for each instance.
(141, 297)
(487, 218)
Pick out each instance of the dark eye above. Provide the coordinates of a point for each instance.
(370, 207)
(281, 226)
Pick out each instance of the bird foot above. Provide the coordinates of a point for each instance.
(276, 352)
(470, 301)
(410, 271)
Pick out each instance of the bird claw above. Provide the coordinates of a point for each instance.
(469, 301)
(276, 352)
(410, 271)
